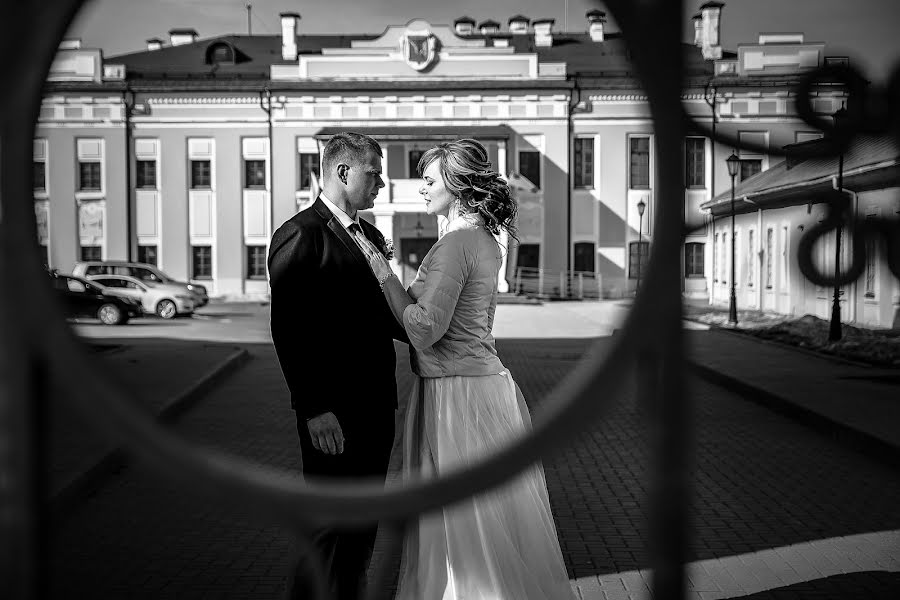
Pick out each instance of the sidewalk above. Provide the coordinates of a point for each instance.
(854, 402)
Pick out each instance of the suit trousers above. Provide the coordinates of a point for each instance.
(345, 553)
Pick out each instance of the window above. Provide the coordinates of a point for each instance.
(783, 271)
(146, 174)
(45, 255)
(220, 53)
(40, 176)
(584, 162)
(530, 166)
(750, 167)
(695, 162)
(414, 157)
(201, 262)
(201, 175)
(718, 255)
(693, 259)
(256, 262)
(725, 262)
(309, 164)
(529, 256)
(255, 174)
(147, 254)
(751, 255)
(639, 174)
(90, 253)
(637, 265)
(584, 256)
(871, 260)
(770, 252)
(89, 176)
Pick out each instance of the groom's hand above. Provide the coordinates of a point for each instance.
(326, 434)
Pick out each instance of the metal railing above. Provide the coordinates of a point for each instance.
(547, 284)
(37, 342)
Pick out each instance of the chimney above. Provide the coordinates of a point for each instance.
(710, 14)
(488, 27)
(154, 44)
(179, 37)
(464, 26)
(597, 22)
(70, 44)
(543, 32)
(289, 35)
(518, 24)
(698, 29)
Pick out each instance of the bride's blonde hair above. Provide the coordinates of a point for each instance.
(466, 170)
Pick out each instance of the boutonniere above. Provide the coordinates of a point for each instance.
(387, 248)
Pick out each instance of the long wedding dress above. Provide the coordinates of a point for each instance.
(498, 545)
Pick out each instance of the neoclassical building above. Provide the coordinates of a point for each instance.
(189, 152)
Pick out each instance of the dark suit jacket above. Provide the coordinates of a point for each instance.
(332, 327)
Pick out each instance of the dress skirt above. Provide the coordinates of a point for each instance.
(499, 545)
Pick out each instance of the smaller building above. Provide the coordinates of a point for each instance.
(773, 211)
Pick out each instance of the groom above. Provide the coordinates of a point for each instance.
(336, 351)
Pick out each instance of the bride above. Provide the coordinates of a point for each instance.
(501, 544)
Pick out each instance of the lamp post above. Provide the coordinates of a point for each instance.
(733, 163)
(834, 331)
(641, 205)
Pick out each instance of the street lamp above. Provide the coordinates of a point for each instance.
(734, 164)
(641, 205)
(834, 331)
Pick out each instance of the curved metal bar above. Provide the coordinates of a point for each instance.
(648, 33)
(29, 56)
(862, 229)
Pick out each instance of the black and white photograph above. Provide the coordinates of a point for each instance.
(473, 300)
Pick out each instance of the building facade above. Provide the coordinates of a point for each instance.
(776, 208)
(189, 153)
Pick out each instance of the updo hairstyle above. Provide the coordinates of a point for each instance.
(467, 174)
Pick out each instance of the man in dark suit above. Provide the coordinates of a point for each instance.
(333, 333)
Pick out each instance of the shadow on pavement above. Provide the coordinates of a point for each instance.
(760, 481)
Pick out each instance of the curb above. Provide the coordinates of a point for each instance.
(86, 483)
(832, 357)
(861, 441)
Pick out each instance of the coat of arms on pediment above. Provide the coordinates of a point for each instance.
(418, 47)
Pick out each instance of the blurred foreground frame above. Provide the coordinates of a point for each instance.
(34, 345)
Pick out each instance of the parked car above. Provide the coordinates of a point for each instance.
(82, 298)
(162, 299)
(142, 271)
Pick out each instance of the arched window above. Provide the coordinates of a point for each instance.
(220, 53)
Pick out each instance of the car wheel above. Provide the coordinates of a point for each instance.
(166, 309)
(110, 314)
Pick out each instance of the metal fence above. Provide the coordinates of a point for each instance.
(36, 340)
(558, 285)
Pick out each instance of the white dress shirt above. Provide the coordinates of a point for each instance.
(343, 217)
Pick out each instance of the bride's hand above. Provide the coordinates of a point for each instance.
(377, 262)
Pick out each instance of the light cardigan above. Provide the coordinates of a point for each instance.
(449, 326)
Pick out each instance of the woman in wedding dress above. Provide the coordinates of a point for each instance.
(501, 544)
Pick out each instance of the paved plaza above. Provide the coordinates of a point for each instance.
(779, 509)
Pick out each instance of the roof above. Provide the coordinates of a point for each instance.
(257, 53)
(796, 176)
(496, 132)
(515, 18)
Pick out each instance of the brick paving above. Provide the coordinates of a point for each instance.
(764, 487)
